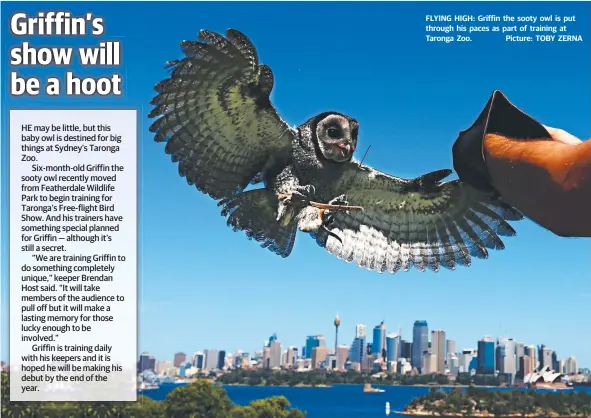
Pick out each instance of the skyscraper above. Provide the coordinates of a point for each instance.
(392, 347)
(314, 341)
(420, 342)
(519, 354)
(450, 349)
(290, 356)
(500, 357)
(530, 351)
(545, 355)
(360, 331)
(429, 365)
(221, 359)
(318, 356)
(438, 348)
(179, 358)
(509, 356)
(570, 366)
(555, 365)
(527, 366)
(379, 339)
(406, 349)
(465, 360)
(146, 362)
(211, 359)
(342, 355)
(357, 352)
(486, 356)
(275, 354)
(198, 360)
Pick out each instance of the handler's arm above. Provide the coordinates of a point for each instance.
(549, 181)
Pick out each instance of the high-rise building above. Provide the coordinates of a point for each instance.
(555, 365)
(570, 366)
(379, 340)
(527, 366)
(392, 347)
(165, 367)
(146, 362)
(245, 363)
(290, 357)
(197, 360)
(465, 359)
(406, 350)
(519, 353)
(266, 357)
(486, 356)
(453, 363)
(318, 356)
(221, 359)
(500, 358)
(314, 341)
(357, 352)
(275, 353)
(438, 348)
(342, 356)
(211, 359)
(429, 364)
(450, 349)
(509, 360)
(530, 351)
(545, 356)
(179, 358)
(360, 331)
(420, 342)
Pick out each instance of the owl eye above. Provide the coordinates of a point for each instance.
(334, 133)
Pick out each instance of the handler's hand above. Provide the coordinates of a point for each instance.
(549, 181)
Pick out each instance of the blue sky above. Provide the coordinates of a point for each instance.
(204, 286)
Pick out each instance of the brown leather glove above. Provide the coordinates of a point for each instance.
(501, 117)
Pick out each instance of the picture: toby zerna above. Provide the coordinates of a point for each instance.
(215, 115)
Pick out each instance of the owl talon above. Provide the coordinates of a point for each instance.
(302, 194)
(339, 200)
(328, 218)
(331, 234)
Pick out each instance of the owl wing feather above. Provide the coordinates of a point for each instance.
(422, 223)
(216, 116)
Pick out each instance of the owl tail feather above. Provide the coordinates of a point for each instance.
(255, 213)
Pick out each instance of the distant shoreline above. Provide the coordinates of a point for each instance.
(302, 385)
(429, 414)
(299, 385)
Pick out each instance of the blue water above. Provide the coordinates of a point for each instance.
(342, 401)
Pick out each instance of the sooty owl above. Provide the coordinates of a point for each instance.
(216, 117)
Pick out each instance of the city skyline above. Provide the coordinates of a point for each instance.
(446, 341)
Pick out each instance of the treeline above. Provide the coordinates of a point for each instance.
(199, 399)
(270, 377)
(503, 403)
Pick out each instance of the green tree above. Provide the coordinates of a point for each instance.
(144, 407)
(199, 399)
(275, 407)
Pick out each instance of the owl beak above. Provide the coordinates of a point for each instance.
(345, 147)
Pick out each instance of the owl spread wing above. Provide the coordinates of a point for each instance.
(423, 222)
(215, 113)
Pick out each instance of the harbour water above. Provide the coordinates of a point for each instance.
(342, 401)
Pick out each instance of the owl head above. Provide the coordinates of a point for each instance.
(332, 134)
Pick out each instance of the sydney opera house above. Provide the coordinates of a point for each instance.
(545, 377)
